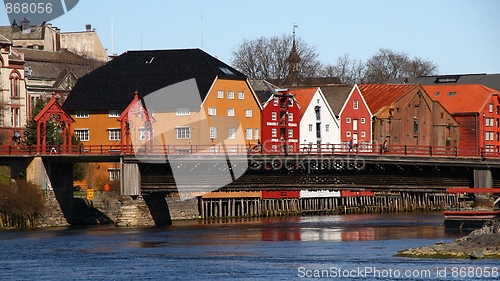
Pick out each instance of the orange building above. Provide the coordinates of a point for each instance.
(196, 103)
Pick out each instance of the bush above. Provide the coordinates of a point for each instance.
(21, 199)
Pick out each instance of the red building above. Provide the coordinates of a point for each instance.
(477, 109)
(280, 118)
(355, 117)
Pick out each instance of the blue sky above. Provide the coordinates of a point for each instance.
(460, 36)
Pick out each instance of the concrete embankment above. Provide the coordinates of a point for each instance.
(481, 243)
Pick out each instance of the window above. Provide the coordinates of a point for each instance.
(15, 88)
(241, 95)
(489, 122)
(248, 113)
(274, 147)
(274, 132)
(144, 134)
(317, 101)
(363, 134)
(114, 134)
(290, 133)
(490, 107)
(183, 133)
(489, 136)
(355, 104)
(230, 95)
(363, 120)
(220, 94)
(231, 133)
(436, 94)
(15, 118)
(290, 102)
(248, 133)
(256, 133)
(290, 117)
(274, 116)
(348, 134)
(82, 114)
(348, 120)
(182, 111)
(415, 127)
(451, 94)
(114, 173)
(213, 133)
(230, 112)
(327, 128)
(114, 113)
(275, 101)
(83, 134)
(310, 127)
(212, 111)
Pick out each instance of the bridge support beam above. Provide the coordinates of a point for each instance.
(130, 179)
(483, 179)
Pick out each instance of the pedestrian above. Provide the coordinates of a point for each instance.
(350, 145)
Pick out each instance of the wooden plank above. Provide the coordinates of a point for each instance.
(472, 190)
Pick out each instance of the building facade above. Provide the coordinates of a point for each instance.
(477, 109)
(406, 115)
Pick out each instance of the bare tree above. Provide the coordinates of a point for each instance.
(380, 67)
(348, 70)
(387, 64)
(266, 58)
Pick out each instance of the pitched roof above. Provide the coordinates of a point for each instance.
(15, 32)
(264, 90)
(378, 96)
(461, 98)
(488, 80)
(4, 40)
(113, 85)
(54, 65)
(303, 96)
(336, 95)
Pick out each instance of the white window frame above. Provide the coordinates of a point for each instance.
(182, 111)
(327, 128)
(274, 116)
(114, 134)
(212, 111)
(276, 101)
(310, 127)
(82, 114)
(114, 173)
(230, 95)
(248, 112)
(241, 95)
(348, 134)
(114, 113)
(220, 94)
(144, 134)
(183, 133)
(256, 133)
(355, 104)
(213, 133)
(231, 133)
(290, 133)
(86, 133)
(230, 112)
(290, 116)
(348, 120)
(363, 134)
(274, 133)
(363, 120)
(248, 133)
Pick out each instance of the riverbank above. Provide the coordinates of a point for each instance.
(481, 243)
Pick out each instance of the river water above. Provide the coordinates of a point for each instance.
(347, 247)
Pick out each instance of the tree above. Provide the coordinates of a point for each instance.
(387, 64)
(348, 70)
(380, 67)
(266, 58)
(54, 134)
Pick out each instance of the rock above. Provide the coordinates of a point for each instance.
(476, 255)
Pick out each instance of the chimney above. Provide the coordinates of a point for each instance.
(88, 27)
(25, 25)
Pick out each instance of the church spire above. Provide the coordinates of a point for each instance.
(294, 78)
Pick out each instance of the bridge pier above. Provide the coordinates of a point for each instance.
(483, 179)
(56, 181)
(130, 179)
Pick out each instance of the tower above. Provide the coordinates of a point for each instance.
(294, 78)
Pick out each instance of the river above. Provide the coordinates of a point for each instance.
(320, 247)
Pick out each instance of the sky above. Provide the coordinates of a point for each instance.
(460, 36)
